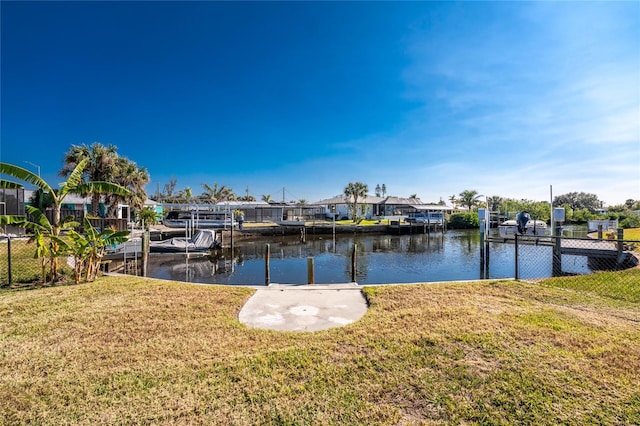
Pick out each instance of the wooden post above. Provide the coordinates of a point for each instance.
(517, 270)
(145, 252)
(353, 263)
(310, 272)
(267, 273)
(599, 231)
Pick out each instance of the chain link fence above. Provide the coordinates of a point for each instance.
(17, 262)
(536, 258)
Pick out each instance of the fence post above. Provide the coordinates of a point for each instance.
(9, 261)
(310, 271)
(267, 273)
(620, 243)
(517, 270)
(353, 263)
(556, 267)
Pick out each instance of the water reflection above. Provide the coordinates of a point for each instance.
(450, 256)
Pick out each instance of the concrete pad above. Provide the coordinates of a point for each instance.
(304, 307)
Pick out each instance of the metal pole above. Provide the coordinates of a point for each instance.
(556, 270)
(482, 249)
(9, 261)
(620, 247)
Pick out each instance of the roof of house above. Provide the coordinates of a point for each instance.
(372, 199)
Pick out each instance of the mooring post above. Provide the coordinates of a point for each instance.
(310, 272)
(145, 251)
(267, 273)
(353, 263)
(515, 244)
(599, 231)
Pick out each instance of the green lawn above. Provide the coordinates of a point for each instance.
(136, 351)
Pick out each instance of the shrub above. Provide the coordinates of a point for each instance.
(466, 220)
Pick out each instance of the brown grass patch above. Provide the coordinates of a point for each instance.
(134, 351)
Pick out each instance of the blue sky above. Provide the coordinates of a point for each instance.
(428, 98)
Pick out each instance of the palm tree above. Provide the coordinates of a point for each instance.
(130, 176)
(469, 198)
(352, 193)
(495, 203)
(100, 166)
(73, 185)
(453, 200)
(413, 196)
(266, 198)
(186, 195)
(214, 194)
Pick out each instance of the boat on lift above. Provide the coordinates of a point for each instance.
(522, 225)
(197, 219)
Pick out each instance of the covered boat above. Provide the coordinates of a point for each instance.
(522, 225)
(202, 241)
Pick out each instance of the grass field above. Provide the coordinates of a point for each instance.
(136, 351)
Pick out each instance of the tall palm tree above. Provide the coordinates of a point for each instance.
(100, 166)
(266, 198)
(130, 176)
(495, 203)
(353, 192)
(469, 198)
(453, 200)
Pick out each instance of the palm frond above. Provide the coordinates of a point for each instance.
(25, 175)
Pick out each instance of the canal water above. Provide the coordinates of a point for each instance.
(450, 256)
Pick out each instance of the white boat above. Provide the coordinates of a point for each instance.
(197, 219)
(522, 225)
(203, 241)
